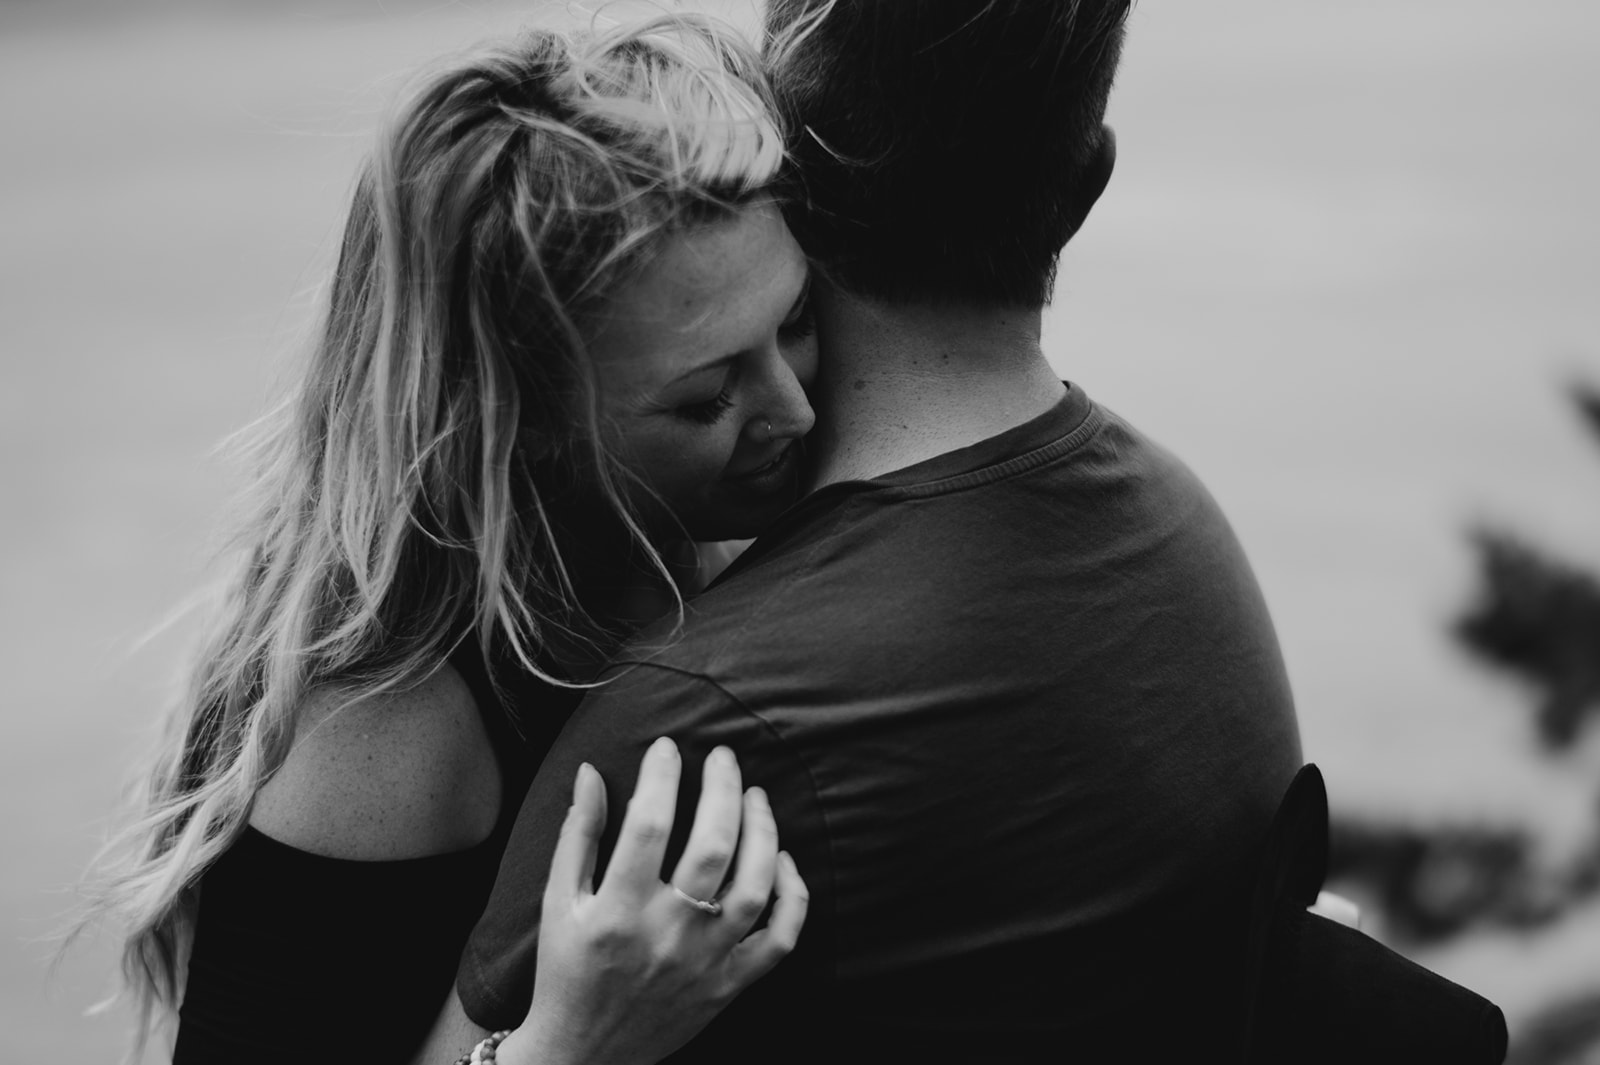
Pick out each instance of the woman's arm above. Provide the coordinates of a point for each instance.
(629, 972)
(402, 774)
(313, 921)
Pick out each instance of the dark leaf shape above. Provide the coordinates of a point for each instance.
(1431, 884)
(1539, 618)
(1587, 398)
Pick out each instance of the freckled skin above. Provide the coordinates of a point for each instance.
(393, 776)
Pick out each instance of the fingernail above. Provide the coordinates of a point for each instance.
(577, 781)
(758, 795)
(721, 754)
(664, 747)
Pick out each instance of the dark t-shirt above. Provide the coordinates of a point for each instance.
(1024, 722)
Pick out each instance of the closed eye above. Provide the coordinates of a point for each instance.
(801, 325)
(708, 412)
(802, 320)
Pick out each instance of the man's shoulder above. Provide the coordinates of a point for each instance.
(707, 644)
(668, 671)
(901, 569)
(645, 694)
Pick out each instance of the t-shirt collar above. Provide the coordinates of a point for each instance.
(1057, 422)
(1061, 419)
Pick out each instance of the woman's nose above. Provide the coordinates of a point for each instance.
(784, 405)
(792, 416)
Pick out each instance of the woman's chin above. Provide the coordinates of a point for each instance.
(746, 524)
(742, 514)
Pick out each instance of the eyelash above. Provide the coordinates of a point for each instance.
(803, 325)
(709, 412)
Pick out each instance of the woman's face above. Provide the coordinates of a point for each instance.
(703, 359)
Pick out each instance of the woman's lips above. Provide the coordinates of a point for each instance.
(769, 474)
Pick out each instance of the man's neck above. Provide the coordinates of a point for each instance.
(901, 384)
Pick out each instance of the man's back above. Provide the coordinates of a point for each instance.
(1023, 721)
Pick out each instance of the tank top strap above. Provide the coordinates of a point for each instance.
(521, 712)
(511, 749)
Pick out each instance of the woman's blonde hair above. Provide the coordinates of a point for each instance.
(409, 492)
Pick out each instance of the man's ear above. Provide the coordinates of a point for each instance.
(1099, 174)
(1096, 177)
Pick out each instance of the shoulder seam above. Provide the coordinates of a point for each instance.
(816, 793)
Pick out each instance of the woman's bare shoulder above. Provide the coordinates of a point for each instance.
(397, 775)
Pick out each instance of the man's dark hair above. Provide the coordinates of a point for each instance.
(948, 148)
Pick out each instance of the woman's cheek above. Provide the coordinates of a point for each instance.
(685, 463)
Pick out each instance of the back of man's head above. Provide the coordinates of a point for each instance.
(948, 148)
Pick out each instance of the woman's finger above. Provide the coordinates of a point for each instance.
(761, 950)
(572, 866)
(635, 869)
(747, 897)
(715, 834)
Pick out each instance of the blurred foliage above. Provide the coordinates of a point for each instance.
(1540, 618)
(1537, 617)
(1431, 884)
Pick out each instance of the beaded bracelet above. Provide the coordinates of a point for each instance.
(483, 1053)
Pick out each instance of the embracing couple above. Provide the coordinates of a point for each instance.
(974, 755)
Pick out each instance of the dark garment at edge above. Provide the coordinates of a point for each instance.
(299, 957)
(1024, 724)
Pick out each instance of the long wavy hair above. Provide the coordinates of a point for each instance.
(409, 492)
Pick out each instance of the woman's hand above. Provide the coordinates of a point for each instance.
(630, 972)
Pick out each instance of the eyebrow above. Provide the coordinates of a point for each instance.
(704, 367)
(714, 364)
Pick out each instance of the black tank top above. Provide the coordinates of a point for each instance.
(298, 956)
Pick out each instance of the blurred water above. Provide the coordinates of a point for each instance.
(1348, 257)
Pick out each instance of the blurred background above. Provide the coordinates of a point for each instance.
(1348, 269)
